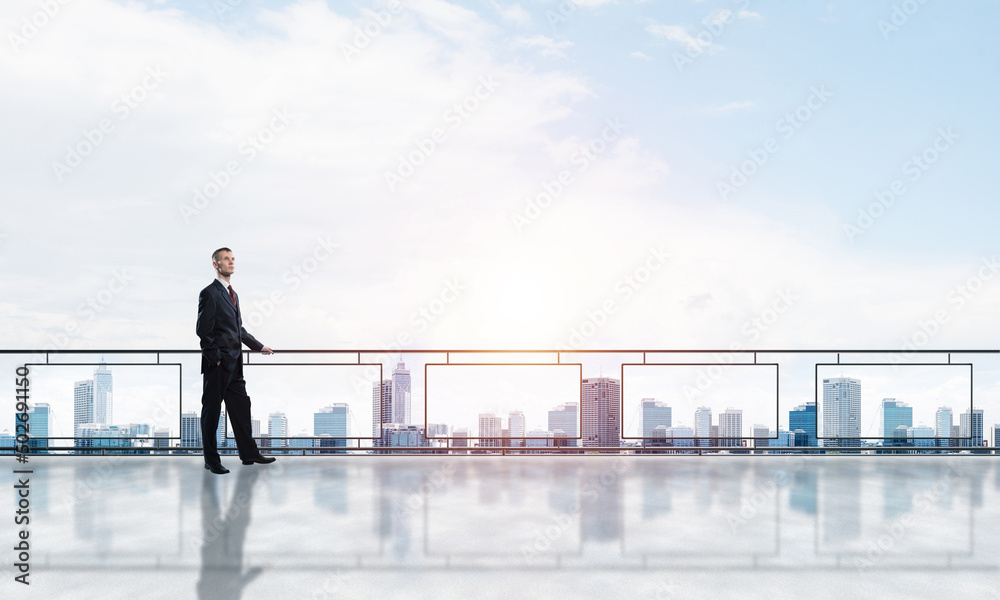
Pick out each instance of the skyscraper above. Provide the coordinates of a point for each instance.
(516, 424)
(38, 427)
(943, 422)
(970, 426)
(731, 427)
(277, 427)
(601, 411)
(191, 430)
(804, 417)
(842, 412)
(401, 394)
(333, 420)
(220, 433)
(895, 414)
(761, 435)
(566, 418)
(703, 425)
(381, 405)
(490, 426)
(92, 402)
(654, 413)
(103, 395)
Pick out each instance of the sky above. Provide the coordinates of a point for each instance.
(429, 175)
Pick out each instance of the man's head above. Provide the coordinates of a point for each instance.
(223, 261)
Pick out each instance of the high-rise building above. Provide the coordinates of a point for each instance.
(161, 438)
(461, 440)
(103, 395)
(83, 407)
(277, 427)
(995, 436)
(680, 436)
(895, 415)
(302, 440)
(761, 435)
(600, 412)
(842, 412)
(255, 432)
(731, 427)
(334, 421)
(406, 436)
(804, 417)
(38, 427)
(943, 421)
(653, 414)
(539, 438)
(490, 426)
(515, 426)
(7, 441)
(920, 436)
(92, 402)
(401, 394)
(191, 430)
(381, 405)
(566, 418)
(703, 425)
(220, 432)
(970, 426)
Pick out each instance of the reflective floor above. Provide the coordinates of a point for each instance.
(477, 527)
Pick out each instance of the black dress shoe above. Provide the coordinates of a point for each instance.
(217, 469)
(260, 459)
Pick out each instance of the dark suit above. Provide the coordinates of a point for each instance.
(220, 329)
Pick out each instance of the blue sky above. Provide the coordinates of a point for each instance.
(452, 255)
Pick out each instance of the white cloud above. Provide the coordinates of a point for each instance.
(679, 34)
(546, 45)
(513, 13)
(640, 54)
(729, 107)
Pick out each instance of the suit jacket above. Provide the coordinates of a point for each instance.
(220, 329)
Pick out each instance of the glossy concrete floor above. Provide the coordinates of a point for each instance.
(477, 527)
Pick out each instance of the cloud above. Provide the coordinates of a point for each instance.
(546, 45)
(512, 13)
(679, 34)
(640, 54)
(728, 108)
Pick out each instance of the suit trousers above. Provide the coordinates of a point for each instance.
(229, 386)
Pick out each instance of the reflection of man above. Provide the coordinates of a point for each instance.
(220, 329)
(224, 534)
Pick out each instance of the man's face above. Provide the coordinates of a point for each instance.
(226, 264)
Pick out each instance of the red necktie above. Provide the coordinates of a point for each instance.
(232, 296)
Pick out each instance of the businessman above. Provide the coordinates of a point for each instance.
(220, 329)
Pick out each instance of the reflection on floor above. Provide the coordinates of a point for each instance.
(477, 527)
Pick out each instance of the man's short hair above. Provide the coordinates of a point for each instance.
(215, 255)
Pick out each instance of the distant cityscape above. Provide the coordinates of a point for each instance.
(594, 422)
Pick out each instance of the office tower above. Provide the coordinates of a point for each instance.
(490, 426)
(401, 394)
(915, 436)
(302, 440)
(437, 430)
(83, 407)
(943, 422)
(190, 430)
(461, 440)
(783, 439)
(516, 427)
(8, 441)
(255, 431)
(103, 395)
(842, 412)
(970, 425)
(404, 436)
(334, 421)
(895, 415)
(38, 427)
(731, 427)
(566, 418)
(761, 436)
(381, 405)
(600, 410)
(658, 437)
(703, 425)
(680, 436)
(161, 437)
(102, 435)
(220, 433)
(803, 417)
(994, 436)
(653, 414)
(539, 438)
(277, 427)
